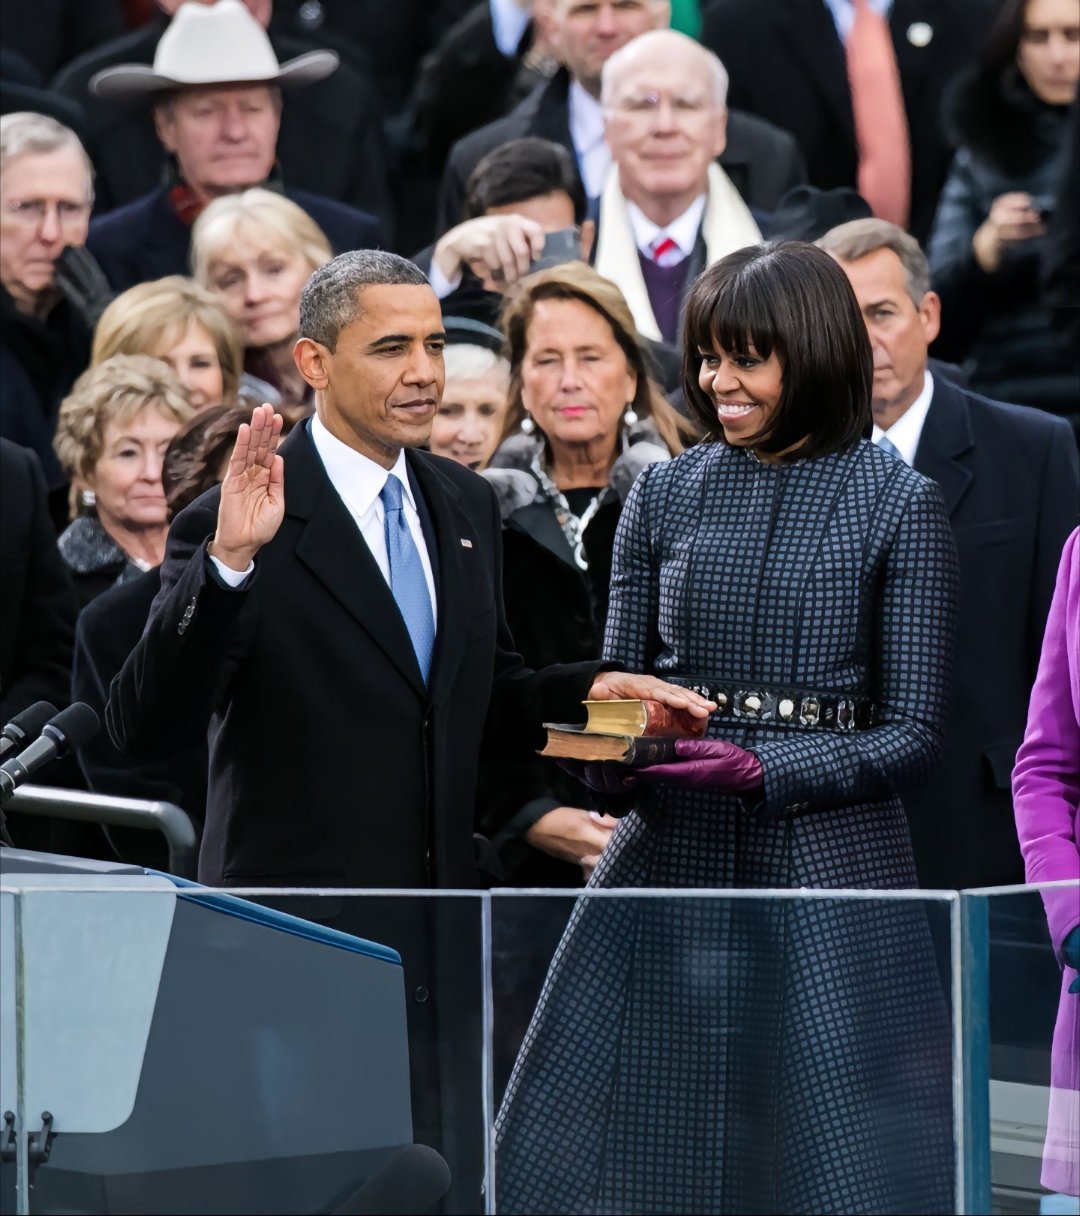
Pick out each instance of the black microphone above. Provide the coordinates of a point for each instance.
(25, 726)
(70, 729)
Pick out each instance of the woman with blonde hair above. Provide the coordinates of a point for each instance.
(176, 320)
(584, 418)
(111, 436)
(255, 251)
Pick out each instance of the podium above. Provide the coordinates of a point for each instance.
(196, 1052)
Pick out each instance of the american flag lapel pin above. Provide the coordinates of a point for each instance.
(466, 543)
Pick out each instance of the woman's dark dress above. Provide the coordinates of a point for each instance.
(711, 1055)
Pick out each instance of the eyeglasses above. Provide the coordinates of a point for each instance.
(647, 105)
(32, 212)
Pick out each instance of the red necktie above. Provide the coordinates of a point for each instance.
(877, 103)
(666, 252)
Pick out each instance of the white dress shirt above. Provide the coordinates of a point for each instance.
(906, 431)
(683, 230)
(509, 20)
(587, 132)
(843, 14)
(358, 481)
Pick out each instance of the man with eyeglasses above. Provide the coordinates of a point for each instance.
(46, 317)
(669, 210)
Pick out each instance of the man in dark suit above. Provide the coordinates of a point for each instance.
(762, 162)
(221, 137)
(345, 596)
(787, 64)
(1011, 482)
(330, 143)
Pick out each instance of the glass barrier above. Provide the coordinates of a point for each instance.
(740, 1051)
(629, 1051)
(1024, 1032)
(249, 1051)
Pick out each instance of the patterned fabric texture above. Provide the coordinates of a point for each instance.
(697, 1054)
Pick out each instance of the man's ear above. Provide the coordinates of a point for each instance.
(588, 236)
(310, 358)
(163, 125)
(930, 315)
(719, 134)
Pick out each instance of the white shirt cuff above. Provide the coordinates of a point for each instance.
(229, 576)
(440, 284)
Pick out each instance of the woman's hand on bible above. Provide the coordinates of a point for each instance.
(708, 764)
(625, 685)
(253, 493)
(573, 835)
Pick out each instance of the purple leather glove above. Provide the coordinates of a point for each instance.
(709, 764)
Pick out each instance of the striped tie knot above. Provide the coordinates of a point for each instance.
(665, 252)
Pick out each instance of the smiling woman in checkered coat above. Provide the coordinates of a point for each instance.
(698, 1054)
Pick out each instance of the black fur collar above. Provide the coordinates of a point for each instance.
(1003, 122)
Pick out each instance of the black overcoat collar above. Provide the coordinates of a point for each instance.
(947, 445)
(331, 546)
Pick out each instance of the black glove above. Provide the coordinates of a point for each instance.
(83, 282)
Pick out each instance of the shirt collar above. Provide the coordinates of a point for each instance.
(683, 230)
(356, 477)
(586, 119)
(843, 14)
(509, 21)
(906, 431)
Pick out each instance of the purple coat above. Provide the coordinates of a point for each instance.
(1046, 795)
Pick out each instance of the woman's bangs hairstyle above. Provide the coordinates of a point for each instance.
(789, 298)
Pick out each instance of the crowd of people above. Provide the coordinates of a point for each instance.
(722, 353)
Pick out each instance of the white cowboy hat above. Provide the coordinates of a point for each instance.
(212, 44)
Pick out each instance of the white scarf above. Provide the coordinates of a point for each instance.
(727, 225)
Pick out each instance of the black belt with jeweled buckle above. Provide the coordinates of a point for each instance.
(773, 706)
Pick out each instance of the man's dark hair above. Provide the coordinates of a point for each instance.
(520, 170)
(791, 298)
(331, 297)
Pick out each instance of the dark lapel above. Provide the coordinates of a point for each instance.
(696, 263)
(915, 62)
(946, 446)
(334, 551)
(810, 32)
(450, 526)
(537, 520)
(166, 237)
(547, 111)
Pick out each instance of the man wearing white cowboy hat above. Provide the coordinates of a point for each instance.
(215, 86)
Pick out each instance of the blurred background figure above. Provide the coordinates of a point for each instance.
(255, 251)
(472, 414)
(49, 35)
(46, 192)
(1010, 119)
(181, 323)
(762, 161)
(37, 607)
(790, 62)
(1046, 789)
(667, 211)
(1010, 480)
(585, 417)
(331, 140)
(109, 628)
(111, 437)
(220, 137)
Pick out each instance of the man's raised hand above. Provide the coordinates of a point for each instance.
(253, 492)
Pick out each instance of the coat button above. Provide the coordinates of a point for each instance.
(420, 995)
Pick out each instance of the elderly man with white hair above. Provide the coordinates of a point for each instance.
(667, 209)
(51, 292)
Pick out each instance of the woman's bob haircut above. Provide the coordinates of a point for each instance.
(791, 298)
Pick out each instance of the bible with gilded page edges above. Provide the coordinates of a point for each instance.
(633, 732)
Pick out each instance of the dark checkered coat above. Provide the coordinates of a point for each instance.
(702, 1055)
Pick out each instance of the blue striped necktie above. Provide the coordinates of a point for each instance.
(887, 445)
(407, 581)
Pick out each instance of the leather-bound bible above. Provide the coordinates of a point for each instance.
(629, 732)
